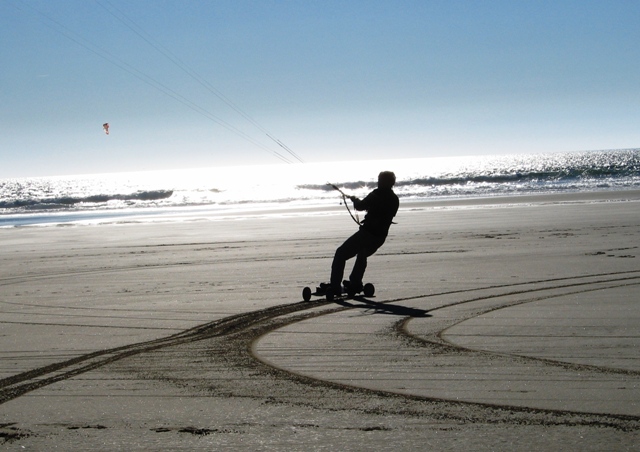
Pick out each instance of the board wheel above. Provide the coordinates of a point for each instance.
(368, 290)
(306, 294)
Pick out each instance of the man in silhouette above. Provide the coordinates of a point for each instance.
(381, 206)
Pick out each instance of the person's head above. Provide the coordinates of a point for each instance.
(386, 179)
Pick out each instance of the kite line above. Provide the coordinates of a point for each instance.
(135, 28)
(149, 80)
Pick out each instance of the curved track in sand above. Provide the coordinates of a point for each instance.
(377, 354)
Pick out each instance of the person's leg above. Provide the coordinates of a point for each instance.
(357, 274)
(346, 251)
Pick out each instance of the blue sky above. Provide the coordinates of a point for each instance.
(333, 80)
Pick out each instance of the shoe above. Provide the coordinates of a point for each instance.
(352, 287)
(322, 288)
(333, 293)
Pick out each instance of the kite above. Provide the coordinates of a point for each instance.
(105, 126)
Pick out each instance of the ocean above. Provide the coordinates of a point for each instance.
(232, 191)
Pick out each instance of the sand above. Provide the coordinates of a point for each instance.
(500, 324)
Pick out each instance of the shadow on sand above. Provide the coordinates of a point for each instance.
(383, 308)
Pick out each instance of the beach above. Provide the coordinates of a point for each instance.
(504, 323)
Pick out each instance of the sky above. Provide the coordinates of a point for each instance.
(188, 84)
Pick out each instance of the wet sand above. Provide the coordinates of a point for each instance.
(501, 324)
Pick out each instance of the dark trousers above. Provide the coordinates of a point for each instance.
(361, 244)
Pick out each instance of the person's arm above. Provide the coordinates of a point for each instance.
(361, 204)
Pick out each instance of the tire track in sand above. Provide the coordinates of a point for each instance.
(17, 385)
(234, 336)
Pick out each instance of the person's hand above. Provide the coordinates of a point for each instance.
(353, 198)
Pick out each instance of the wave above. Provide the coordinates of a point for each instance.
(71, 201)
(555, 174)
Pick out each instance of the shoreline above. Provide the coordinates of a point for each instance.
(231, 212)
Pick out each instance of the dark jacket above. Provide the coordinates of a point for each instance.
(381, 206)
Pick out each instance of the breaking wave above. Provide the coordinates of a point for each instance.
(516, 174)
(86, 201)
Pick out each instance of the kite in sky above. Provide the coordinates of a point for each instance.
(105, 126)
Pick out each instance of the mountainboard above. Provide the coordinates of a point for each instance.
(324, 290)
